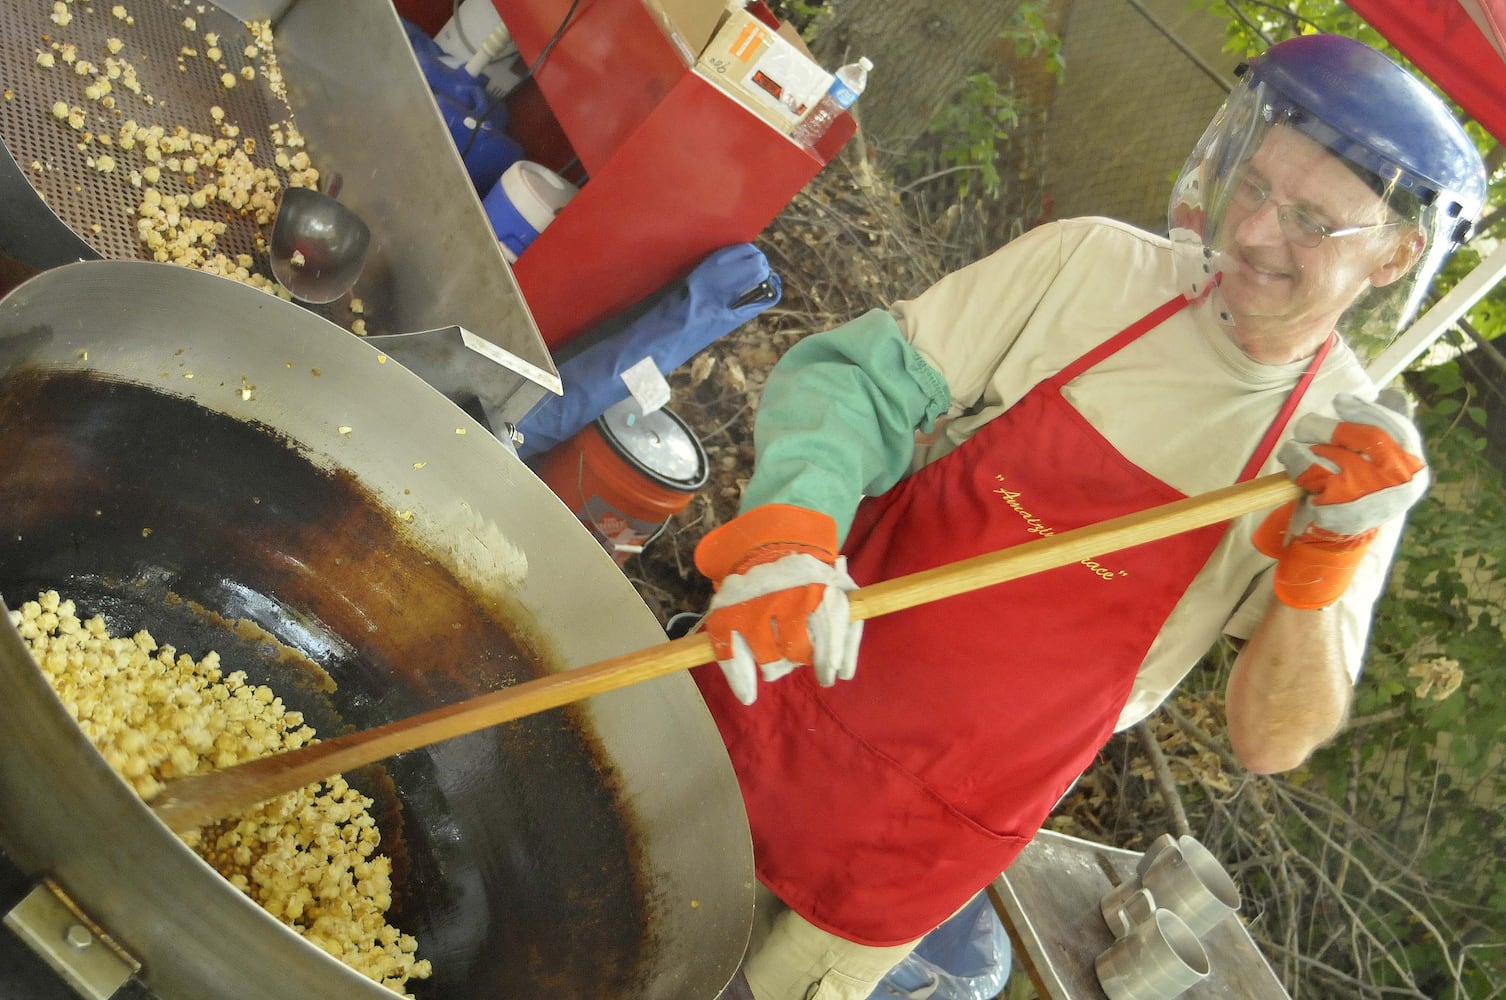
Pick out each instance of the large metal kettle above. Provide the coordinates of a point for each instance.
(198, 457)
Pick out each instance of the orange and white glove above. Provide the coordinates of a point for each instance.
(781, 598)
(1360, 471)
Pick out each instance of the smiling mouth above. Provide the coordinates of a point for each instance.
(1257, 273)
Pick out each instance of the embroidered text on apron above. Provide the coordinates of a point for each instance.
(881, 805)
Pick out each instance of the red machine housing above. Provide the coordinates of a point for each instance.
(674, 168)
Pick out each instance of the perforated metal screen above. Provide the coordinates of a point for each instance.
(179, 84)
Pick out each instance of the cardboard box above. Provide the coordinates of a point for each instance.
(765, 71)
(678, 167)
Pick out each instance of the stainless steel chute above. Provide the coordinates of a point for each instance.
(357, 95)
(188, 454)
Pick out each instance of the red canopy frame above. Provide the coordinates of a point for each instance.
(1459, 44)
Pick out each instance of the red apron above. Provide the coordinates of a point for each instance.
(879, 806)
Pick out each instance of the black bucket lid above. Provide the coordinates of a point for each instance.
(659, 445)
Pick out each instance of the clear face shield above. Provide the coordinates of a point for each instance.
(1282, 222)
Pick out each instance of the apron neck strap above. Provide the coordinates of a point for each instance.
(1155, 318)
(1122, 339)
(1293, 400)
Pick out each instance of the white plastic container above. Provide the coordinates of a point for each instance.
(465, 33)
(523, 202)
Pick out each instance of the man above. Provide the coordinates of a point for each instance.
(1085, 371)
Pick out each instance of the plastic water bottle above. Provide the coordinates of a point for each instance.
(849, 83)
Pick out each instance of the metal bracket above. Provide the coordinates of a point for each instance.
(74, 946)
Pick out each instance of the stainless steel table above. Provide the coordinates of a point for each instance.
(1048, 900)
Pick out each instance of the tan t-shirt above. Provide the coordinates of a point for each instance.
(1182, 402)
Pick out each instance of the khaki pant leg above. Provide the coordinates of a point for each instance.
(790, 958)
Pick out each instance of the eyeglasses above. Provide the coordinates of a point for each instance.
(1297, 225)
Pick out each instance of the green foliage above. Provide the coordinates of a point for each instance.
(1253, 26)
(967, 138)
(1423, 764)
(1033, 38)
(970, 133)
(805, 15)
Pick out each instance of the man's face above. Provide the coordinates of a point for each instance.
(1280, 291)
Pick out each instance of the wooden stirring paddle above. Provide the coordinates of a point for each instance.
(187, 803)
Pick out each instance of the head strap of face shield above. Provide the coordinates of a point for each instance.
(1406, 194)
(1378, 119)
